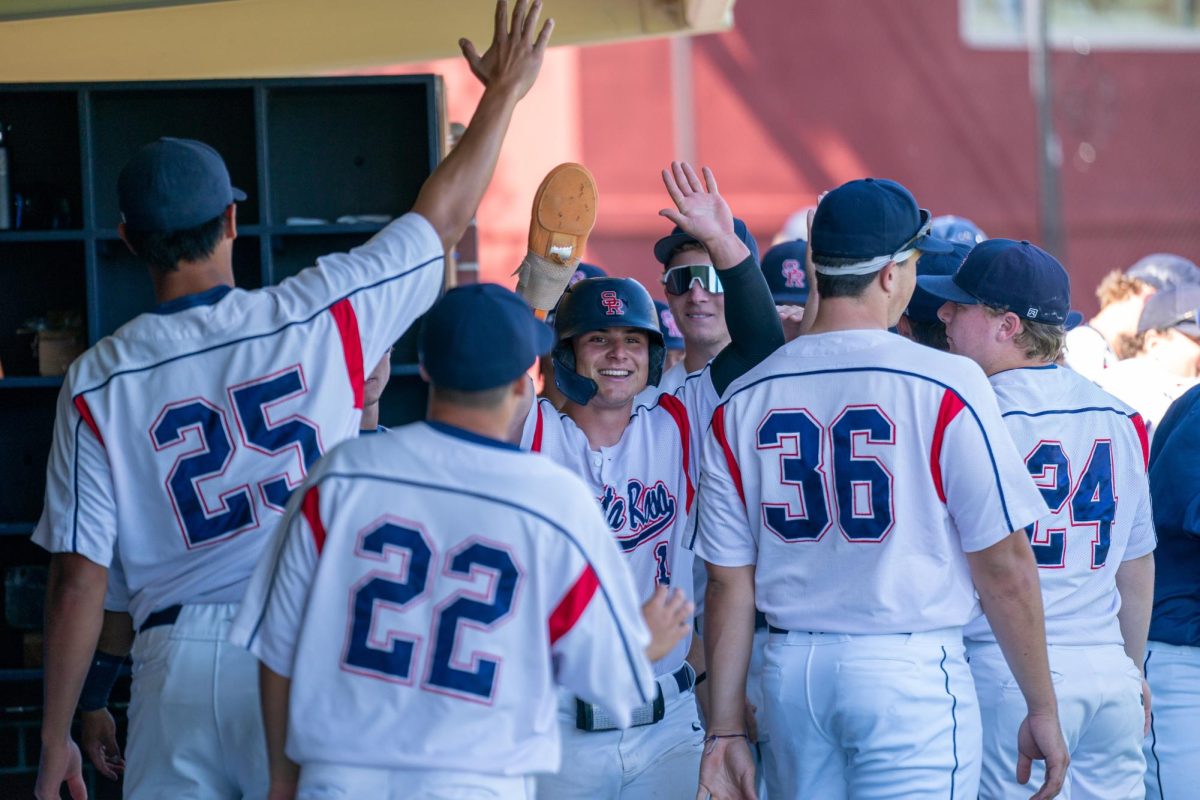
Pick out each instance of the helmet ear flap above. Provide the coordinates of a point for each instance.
(574, 386)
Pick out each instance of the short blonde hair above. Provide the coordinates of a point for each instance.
(1040, 341)
(1117, 286)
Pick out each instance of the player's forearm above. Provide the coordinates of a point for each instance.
(74, 611)
(116, 634)
(728, 635)
(1005, 576)
(274, 690)
(451, 195)
(754, 327)
(1135, 583)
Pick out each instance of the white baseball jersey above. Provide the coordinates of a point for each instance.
(644, 483)
(671, 380)
(1145, 386)
(856, 469)
(426, 594)
(184, 433)
(1087, 452)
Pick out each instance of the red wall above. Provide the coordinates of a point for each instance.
(801, 96)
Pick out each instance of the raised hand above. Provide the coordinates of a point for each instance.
(702, 212)
(515, 56)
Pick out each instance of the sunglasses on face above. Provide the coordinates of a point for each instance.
(679, 280)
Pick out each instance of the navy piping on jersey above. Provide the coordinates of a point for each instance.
(954, 718)
(983, 432)
(75, 495)
(454, 491)
(208, 297)
(268, 334)
(469, 436)
(1018, 412)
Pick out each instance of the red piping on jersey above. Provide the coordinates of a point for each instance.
(718, 426)
(951, 405)
(675, 408)
(311, 508)
(537, 430)
(347, 325)
(573, 604)
(1139, 425)
(82, 407)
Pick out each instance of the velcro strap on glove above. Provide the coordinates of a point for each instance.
(542, 281)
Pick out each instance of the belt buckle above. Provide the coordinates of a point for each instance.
(594, 719)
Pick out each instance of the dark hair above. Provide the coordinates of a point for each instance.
(486, 398)
(841, 285)
(930, 334)
(163, 250)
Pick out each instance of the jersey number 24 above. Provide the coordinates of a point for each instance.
(1089, 503)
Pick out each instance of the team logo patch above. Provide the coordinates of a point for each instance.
(793, 274)
(613, 305)
(639, 515)
(668, 322)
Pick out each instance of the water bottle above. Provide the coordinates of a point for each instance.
(5, 198)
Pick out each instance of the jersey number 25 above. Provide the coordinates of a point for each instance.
(204, 426)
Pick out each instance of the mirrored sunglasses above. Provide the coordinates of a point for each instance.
(678, 280)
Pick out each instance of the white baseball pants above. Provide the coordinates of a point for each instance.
(195, 725)
(1172, 749)
(865, 717)
(651, 762)
(338, 782)
(1099, 694)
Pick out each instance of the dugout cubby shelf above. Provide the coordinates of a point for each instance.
(338, 153)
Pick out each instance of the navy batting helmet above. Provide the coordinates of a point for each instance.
(591, 305)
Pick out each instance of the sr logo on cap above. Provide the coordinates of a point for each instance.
(672, 328)
(793, 274)
(613, 305)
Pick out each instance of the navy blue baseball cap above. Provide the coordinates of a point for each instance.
(923, 306)
(665, 247)
(672, 336)
(1174, 307)
(868, 219)
(1165, 271)
(480, 336)
(173, 185)
(956, 229)
(1017, 276)
(783, 266)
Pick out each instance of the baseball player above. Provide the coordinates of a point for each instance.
(1005, 309)
(1172, 665)
(1109, 336)
(920, 321)
(376, 381)
(672, 336)
(785, 266)
(183, 435)
(861, 489)
(1167, 355)
(547, 388)
(696, 299)
(430, 587)
(638, 462)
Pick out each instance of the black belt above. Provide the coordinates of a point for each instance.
(760, 620)
(773, 629)
(166, 616)
(590, 717)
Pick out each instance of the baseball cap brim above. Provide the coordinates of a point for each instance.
(930, 243)
(945, 289)
(667, 245)
(238, 194)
